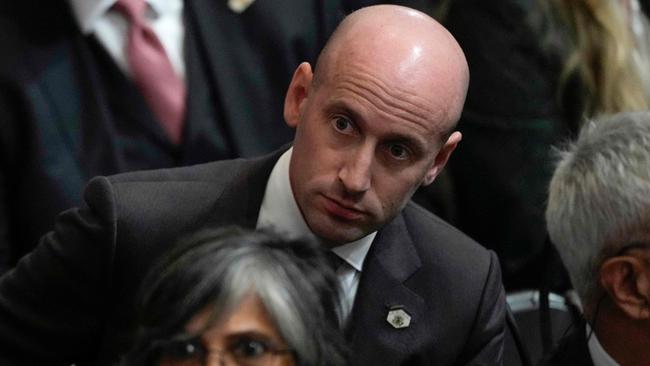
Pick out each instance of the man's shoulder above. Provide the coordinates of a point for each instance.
(149, 195)
(427, 229)
(200, 184)
(216, 171)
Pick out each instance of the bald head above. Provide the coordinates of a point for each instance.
(375, 120)
(407, 49)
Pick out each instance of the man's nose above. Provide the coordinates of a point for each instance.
(356, 172)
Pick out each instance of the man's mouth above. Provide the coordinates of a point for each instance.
(342, 210)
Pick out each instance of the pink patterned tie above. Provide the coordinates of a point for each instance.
(152, 71)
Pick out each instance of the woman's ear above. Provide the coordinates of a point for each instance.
(297, 94)
(626, 281)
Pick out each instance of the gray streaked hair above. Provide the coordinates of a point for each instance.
(217, 268)
(599, 195)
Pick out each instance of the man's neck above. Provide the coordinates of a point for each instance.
(626, 340)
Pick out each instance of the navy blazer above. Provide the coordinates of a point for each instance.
(72, 298)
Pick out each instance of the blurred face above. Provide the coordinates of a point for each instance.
(361, 150)
(247, 337)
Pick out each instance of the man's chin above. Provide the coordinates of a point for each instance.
(335, 237)
(334, 232)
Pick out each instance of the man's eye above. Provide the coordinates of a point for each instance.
(342, 124)
(249, 348)
(398, 151)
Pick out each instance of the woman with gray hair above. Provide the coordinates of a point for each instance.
(241, 298)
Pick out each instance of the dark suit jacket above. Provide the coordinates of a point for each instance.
(572, 350)
(510, 121)
(72, 298)
(58, 125)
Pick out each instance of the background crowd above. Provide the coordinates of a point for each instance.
(75, 104)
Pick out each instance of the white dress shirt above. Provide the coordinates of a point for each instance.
(280, 212)
(165, 17)
(599, 356)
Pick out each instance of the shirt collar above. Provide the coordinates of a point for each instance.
(599, 356)
(280, 212)
(355, 253)
(87, 12)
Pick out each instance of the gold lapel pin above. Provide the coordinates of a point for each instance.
(398, 318)
(238, 6)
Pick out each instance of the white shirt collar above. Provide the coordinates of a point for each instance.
(87, 12)
(599, 356)
(280, 212)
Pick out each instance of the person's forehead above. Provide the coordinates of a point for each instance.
(424, 75)
(364, 108)
(369, 93)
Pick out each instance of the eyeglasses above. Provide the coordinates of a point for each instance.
(241, 350)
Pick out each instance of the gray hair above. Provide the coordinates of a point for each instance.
(216, 269)
(599, 195)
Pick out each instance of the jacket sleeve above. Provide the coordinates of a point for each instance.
(485, 345)
(52, 303)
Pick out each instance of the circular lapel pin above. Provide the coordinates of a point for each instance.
(398, 318)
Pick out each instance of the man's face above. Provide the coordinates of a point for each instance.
(360, 152)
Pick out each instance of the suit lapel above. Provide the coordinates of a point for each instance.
(62, 98)
(217, 30)
(57, 113)
(73, 109)
(247, 61)
(391, 261)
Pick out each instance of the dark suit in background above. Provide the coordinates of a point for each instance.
(68, 113)
(90, 267)
(510, 120)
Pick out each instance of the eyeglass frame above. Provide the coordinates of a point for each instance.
(160, 347)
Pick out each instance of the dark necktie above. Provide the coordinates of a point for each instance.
(152, 72)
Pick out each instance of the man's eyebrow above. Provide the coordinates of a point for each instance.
(343, 107)
(416, 141)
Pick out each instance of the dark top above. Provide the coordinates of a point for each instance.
(72, 298)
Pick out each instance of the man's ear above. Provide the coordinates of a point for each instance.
(626, 281)
(442, 158)
(297, 94)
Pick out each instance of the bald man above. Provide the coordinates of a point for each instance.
(374, 121)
